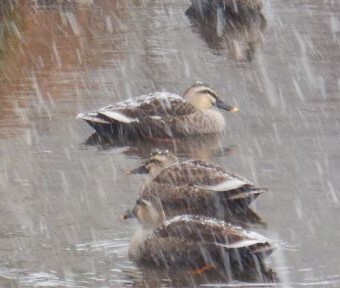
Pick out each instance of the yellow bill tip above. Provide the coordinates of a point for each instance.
(235, 109)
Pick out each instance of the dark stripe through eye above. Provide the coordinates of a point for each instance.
(153, 161)
(140, 202)
(207, 91)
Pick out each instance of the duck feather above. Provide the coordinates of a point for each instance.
(201, 174)
(158, 104)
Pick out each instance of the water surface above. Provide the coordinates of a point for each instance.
(63, 195)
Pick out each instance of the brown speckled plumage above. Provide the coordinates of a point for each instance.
(192, 242)
(195, 187)
(161, 114)
(177, 200)
(195, 172)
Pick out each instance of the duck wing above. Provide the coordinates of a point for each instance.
(167, 193)
(153, 106)
(202, 174)
(210, 230)
(197, 256)
(177, 200)
(173, 253)
(199, 242)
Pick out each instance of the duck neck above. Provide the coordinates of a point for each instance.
(137, 242)
(215, 119)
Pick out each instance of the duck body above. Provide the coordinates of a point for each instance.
(195, 186)
(161, 114)
(196, 242)
(186, 199)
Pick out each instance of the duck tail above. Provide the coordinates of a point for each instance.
(92, 117)
(263, 249)
(253, 192)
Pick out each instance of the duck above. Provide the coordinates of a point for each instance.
(235, 18)
(227, 8)
(162, 114)
(194, 243)
(195, 186)
(239, 35)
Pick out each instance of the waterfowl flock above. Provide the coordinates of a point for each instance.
(185, 212)
(184, 208)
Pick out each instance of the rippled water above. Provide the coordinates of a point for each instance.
(63, 194)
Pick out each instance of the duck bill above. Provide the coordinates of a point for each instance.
(140, 170)
(220, 104)
(129, 214)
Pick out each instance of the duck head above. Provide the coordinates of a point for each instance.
(158, 160)
(149, 214)
(202, 96)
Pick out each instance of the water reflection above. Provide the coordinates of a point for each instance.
(154, 278)
(8, 20)
(11, 20)
(239, 37)
(64, 5)
(45, 51)
(199, 147)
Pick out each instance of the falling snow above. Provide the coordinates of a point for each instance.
(64, 191)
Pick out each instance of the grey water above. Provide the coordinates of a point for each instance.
(63, 193)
